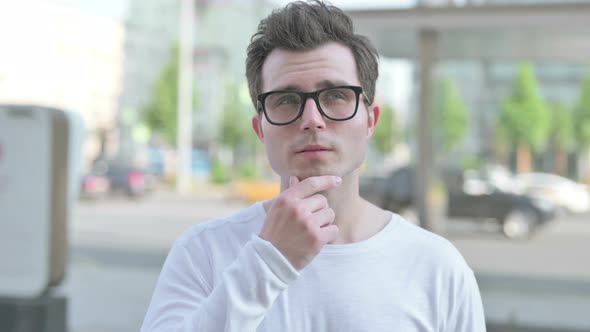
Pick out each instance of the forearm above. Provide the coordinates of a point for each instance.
(239, 302)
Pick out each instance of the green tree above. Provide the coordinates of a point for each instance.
(236, 131)
(160, 113)
(524, 119)
(561, 135)
(582, 118)
(450, 116)
(387, 133)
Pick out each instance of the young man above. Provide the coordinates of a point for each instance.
(317, 257)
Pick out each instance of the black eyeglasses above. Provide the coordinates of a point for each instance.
(338, 103)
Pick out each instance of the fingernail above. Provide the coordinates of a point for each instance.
(338, 180)
(291, 180)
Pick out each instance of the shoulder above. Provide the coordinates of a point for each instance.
(429, 248)
(236, 227)
(202, 252)
(435, 263)
(438, 268)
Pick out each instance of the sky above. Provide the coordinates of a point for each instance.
(116, 9)
(112, 9)
(369, 4)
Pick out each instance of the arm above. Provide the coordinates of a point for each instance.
(296, 227)
(468, 316)
(184, 301)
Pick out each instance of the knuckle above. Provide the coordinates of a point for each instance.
(323, 199)
(282, 200)
(286, 200)
(331, 214)
(316, 241)
(299, 212)
(309, 228)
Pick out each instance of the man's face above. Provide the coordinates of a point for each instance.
(314, 145)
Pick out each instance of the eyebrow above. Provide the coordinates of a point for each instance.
(321, 85)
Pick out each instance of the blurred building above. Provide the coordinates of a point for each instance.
(458, 3)
(479, 47)
(485, 85)
(151, 29)
(220, 48)
(58, 56)
(220, 58)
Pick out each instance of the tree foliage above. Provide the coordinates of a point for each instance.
(562, 127)
(160, 113)
(236, 133)
(582, 115)
(387, 133)
(561, 136)
(450, 115)
(236, 130)
(524, 118)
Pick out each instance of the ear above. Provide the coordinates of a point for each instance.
(257, 126)
(373, 119)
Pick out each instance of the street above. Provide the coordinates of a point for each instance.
(118, 247)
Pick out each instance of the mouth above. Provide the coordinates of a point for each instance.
(313, 149)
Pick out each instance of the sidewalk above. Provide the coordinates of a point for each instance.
(151, 223)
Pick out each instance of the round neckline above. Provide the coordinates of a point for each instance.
(371, 243)
(375, 241)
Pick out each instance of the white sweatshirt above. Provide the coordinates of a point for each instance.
(220, 276)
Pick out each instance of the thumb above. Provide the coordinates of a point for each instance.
(293, 180)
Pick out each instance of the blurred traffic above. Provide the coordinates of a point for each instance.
(115, 178)
(568, 195)
(479, 195)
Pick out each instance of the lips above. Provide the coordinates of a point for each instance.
(313, 148)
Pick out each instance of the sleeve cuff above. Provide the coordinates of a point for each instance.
(275, 260)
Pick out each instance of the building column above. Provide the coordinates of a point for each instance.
(425, 206)
(185, 97)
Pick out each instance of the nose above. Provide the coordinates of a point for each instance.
(312, 119)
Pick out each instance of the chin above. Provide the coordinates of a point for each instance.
(307, 173)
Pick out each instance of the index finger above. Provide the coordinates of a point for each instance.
(315, 184)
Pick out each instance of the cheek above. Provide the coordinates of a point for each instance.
(356, 142)
(275, 149)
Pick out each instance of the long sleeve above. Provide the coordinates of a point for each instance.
(185, 300)
(469, 314)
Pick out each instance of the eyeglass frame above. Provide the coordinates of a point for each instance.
(358, 90)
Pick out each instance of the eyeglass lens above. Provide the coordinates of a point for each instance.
(336, 103)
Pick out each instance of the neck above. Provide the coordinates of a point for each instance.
(356, 219)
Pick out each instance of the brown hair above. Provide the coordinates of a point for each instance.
(303, 26)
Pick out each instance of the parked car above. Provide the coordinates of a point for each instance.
(571, 196)
(123, 178)
(94, 186)
(469, 195)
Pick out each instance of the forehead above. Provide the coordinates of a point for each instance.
(309, 70)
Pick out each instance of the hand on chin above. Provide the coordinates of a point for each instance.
(308, 173)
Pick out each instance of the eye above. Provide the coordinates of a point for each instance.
(288, 99)
(282, 100)
(335, 95)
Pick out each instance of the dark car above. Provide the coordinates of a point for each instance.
(468, 195)
(122, 177)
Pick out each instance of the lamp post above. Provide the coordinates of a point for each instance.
(185, 97)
